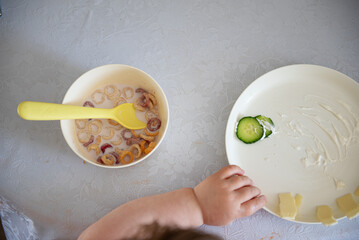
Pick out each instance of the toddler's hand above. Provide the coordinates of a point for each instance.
(227, 195)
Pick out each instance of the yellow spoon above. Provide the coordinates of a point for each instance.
(124, 114)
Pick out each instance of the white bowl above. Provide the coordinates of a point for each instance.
(104, 75)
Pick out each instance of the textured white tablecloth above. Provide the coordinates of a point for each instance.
(203, 54)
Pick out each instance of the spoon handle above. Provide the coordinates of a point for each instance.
(51, 111)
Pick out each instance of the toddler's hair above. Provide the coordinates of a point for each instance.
(156, 232)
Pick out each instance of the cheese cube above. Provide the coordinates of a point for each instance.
(287, 206)
(324, 214)
(356, 193)
(348, 205)
(298, 200)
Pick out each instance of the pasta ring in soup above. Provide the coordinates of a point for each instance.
(94, 98)
(151, 114)
(111, 91)
(147, 138)
(137, 105)
(136, 147)
(81, 123)
(150, 147)
(143, 145)
(110, 136)
(117, 142)
(126, 90)
(89, 142)
(81, 137)
(119, 101)
(98, 140)
(98, 127)
(123, 156)
(108, 159)
(152, 98)
(151, 133)
(94, 147)
(112, 122)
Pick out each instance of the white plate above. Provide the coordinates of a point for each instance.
(301, 100)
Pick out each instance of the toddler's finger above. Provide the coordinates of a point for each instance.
(230, 170)
(252, 206)
(238, 181)
(246, 193)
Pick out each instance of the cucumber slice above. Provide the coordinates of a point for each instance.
(267, 124)
(249, 130)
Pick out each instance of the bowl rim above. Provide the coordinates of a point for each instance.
(62, 122)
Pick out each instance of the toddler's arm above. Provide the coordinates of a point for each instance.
(218, 200)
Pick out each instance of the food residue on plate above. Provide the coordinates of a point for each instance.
(330, 130)
(339, 184)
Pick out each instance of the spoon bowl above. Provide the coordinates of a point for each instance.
(125, 115)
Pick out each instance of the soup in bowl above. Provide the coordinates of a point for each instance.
(104, 142)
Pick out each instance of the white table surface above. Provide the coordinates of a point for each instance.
(202, 53)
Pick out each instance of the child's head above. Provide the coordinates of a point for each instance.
(157, 232)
